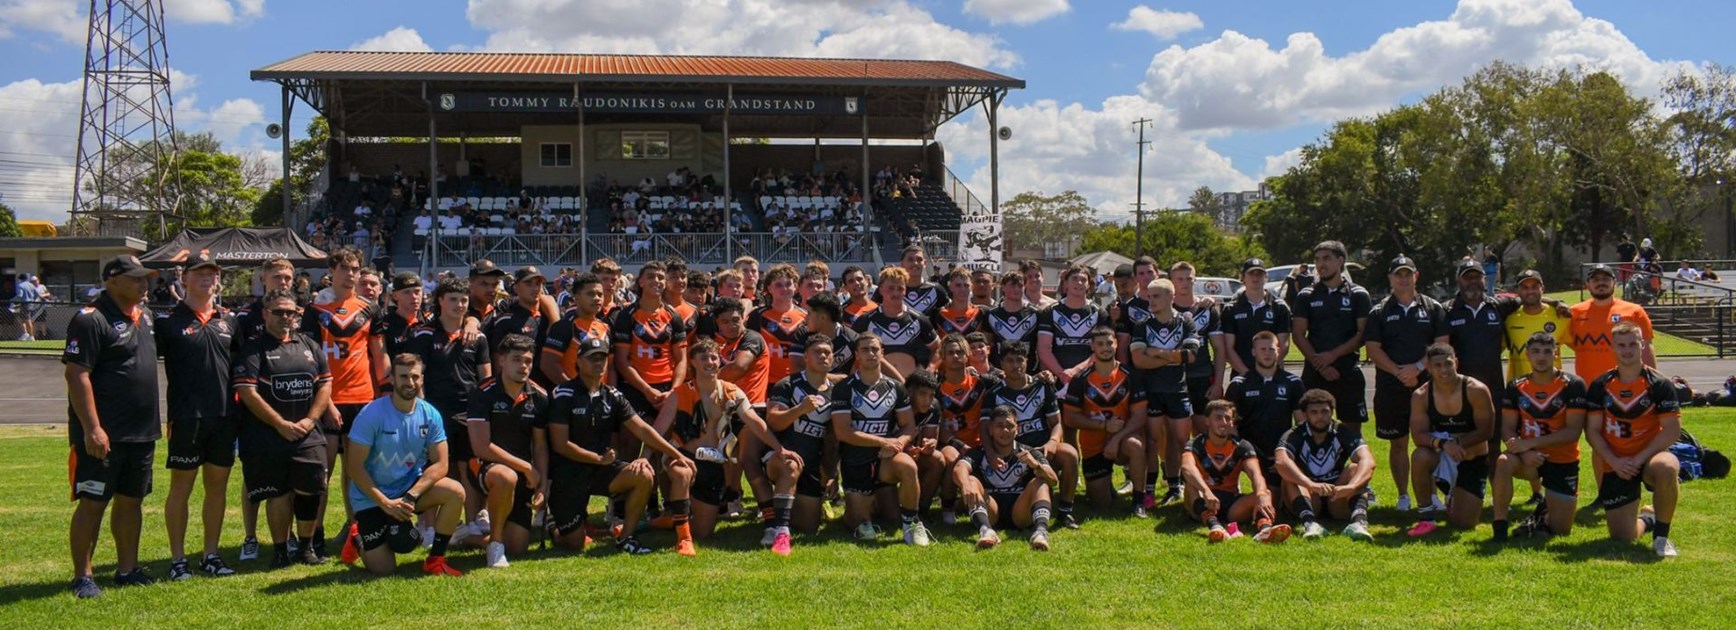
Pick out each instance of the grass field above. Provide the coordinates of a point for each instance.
(1113, 573)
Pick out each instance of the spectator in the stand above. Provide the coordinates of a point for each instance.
(1647, 253)
(355, 175)
(1686, 271)
(423, 221)
(365, 209)
(360, 237)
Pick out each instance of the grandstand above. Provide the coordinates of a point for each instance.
(557, 159)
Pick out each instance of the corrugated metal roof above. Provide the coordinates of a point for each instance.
(700, 69)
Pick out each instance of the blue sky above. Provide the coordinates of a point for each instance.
(1235, 87)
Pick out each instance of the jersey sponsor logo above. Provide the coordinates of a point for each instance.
(873, 403)
(1549, 327)
(1008, 476)
(895, 333)
(120, 327)
(292, 387)
(72, 346)
(1075, 325)
(873, 427)
(1013, 328)
(1615, 318)
(91, 486)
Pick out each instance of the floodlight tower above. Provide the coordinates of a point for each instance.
(124, 176)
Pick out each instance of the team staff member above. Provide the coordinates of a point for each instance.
(922, 297)
(1213, 465)
(559, 361)
(275, 274)
(349, 329)
(586, 416)
(196, 339)
(1541, 421)
(397, 463)
(908, 339)
(406, 312)
(1013, 319)
(1106, 405)
(1452, 417)
(484, 287)
(1268, 402)
(1400, 329)
(111, 389)
(1252, 312)
(650, 345)
(1006, 483)
(508, 422)
(874, 422)
(1633, 420)
(1326, 468)
(283, 383)
(452, 367)
(1534, 317)
(1327, 326)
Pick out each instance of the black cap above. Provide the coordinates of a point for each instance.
(1466, 266)
(204, 259)
(1124, 271)
(126, 265)
(526, 273)
(406, 280)
(592, 346)
(1252, 264)
(1402, 262)
(485, 267)
(1599, 268)
(1528, 274)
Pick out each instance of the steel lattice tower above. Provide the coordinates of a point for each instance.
(126, 124)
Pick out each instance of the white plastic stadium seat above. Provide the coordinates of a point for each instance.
(765, 200)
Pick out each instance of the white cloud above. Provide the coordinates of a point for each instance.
(63, 19)
(1238, 82)
(1164, 25)
(1278, 164)
(1015, 11)
(400, 39)
(213, 11)
(865, 28)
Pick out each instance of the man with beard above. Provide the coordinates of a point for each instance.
(397, 465)
(1477, 331)
(1327, 326)
(282, 445)
(1326, 468)
(276, 274)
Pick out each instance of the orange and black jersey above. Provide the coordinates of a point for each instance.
(691, 420)
(873, 411)
(397, 330)
(1009, 479)
(782, 332)
(688, 313)
(1633, 411)
(1543, 410)
(1221, 464)
(906, 334)
(196, 349)
(961, 405)
(1035, 405)
(1101, 397)
(564, 338)
(754, 381)
(449, 365)
(345, 329)
(653, 338)
(1069, 330)
(486, 312)
(958, 318)
(592, 418)
(926, 299)
(1005, 325)
(852, 312)
(512, 420)
(807, 434)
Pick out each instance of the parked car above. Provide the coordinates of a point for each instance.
(1220, 288)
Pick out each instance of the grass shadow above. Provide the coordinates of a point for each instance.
(1635, 552)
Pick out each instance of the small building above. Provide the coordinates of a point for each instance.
(68, 266)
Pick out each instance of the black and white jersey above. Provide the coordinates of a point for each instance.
(907, 334)
(1171, 335)
(873, 411)
(925, 299)
(1009, 479)
(1206, 324)
(1020, 325)
(1069, 330)
(1035, 404)
(807, 435)
(1322, 460)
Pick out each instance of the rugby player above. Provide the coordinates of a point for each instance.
(701, 415)
(909, 341)
(1326, 468)
(1107, 406)
(559, 361)
(507, 421)
(1541, 421)
(675, 293)
(650, 345)
(452, 368)
(1205, 370)
(1268, 402)
(962, 393)
(826, 319)
(1135, 306)
(747, 364)
(1064, 328)
(528, 312)
(1451, 418)
(405, 314)
(858, 287)
(397, 463)
(1400, 328)
(1162, 351)
(872, 418)
(1213, 465)
(1012, 319)
(1634, 417)
(798, 410)
(196, 339)
(979, 354)
(1033, 273)
(982, 288)
(1005, 483)
(1039, 414)
(283, 384)
(1327, 323)
(350, 330)
(921, 296)
(749, 268)
(961, 315)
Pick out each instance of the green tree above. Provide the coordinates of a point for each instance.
(1206, 202)
(1031, 219)
(1176, 236)
(9, 223)
(307, 158)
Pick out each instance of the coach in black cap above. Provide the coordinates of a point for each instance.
(485, 281)
(111, 387)
(1253, 310)
(1400, 329)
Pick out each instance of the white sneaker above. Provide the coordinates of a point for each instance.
(1313, 531)
(1664, 548)
(1403, 503)
(867, 531)
(916, 534)
(735, 509)
(948, 517)
(1357, 531)
(497, 556)
(769, 537)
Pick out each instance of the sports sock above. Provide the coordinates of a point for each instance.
(1660, 530)
(1501, 529)
(1212, 520)
(1359, 508)
(1064, 507)
(280, 550)
(1139, 497)
(766, 506)
(910, 516)
(1151, 482)
(318, 533)
(782, 504)
(1174, 483)
(1262, 524)
(440, 542)
(1303, 509)
(618, 509)
(949, 504)
(980, 516)
(679, 511)
(1040, 516)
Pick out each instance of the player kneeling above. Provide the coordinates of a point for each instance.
(1634, 419)
(1541, 419)
(1005, 483)
(397, 463)
(872, 416)
(1326, 468)
(1212, 465)
(1106, 405)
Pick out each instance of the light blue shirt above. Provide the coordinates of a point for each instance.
(397, 446)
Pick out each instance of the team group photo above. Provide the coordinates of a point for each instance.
(616, 331)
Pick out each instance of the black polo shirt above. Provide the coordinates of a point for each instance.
(121, 354)
(249, 324)
(449, 366)
(396, 331)
(1244, 319)
(1405, 332)
(514, 318)
(196, 352)
(286, 374)
(1479, 337)
(593, 418)
(512, 420)
(1332, 315)
(1265, 407)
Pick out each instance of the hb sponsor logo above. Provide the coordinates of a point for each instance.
(293, 387)
(91, 487)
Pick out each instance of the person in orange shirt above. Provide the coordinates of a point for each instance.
(1633, 420)
(1593, 320)
(779, 321)
(1106, 405)
(959, 315)
(650, 345)
(352, 332)
(675, 293)
(856, 285)
(1213, 465)
(1542, 416)
(560, 353)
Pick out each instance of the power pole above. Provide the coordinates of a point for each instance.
(1139, 190)
(126, 132)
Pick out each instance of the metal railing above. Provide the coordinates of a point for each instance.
(967, 201)
(711, 248)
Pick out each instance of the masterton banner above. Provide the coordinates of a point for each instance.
(745, 104)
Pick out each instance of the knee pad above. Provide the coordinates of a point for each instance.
(306, 506)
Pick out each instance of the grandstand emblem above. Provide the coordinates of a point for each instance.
(850, 105)
(447, 101)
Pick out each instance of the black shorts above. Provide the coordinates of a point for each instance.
(521, 512)
(641, 405)
(1473, 477)
(126, 471)
(861, 478)
(1172, 405)
(271, 475)
(1004, 502)
(376, 528)
(808, 484)
(571, 492)
(1616, 492)
(1097, 467)
(707, 481)
(458, 449)
(347, 413)
(197, 441)
(1197, 386)
(1226, 499)
(1349, 392)
(1392, 408)
(1560, 478)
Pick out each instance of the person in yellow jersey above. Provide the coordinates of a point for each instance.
(1533, 317)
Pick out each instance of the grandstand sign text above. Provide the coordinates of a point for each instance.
(534, 102)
